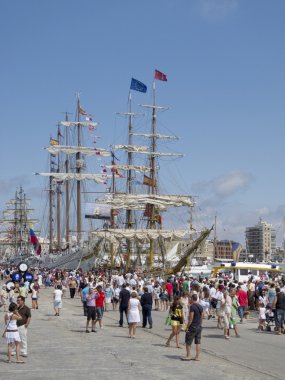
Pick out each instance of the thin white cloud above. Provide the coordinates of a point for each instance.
(224, 186)
(217, 8)
(231, 183)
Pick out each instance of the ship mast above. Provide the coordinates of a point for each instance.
(151, 221)
(129, 221)
(51, 207)
(78, 171)
(112, 224)
(66, 188)
(58, 192)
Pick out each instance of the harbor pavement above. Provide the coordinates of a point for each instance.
(59, 348)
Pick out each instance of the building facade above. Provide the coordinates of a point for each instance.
(261, 241)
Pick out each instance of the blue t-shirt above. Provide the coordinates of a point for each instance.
(85, 293)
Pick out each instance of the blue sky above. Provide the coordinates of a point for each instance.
(225, 64)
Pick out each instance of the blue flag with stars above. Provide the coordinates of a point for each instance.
(138, 86)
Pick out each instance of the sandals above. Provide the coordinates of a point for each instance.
(20, 362)
(185, 359)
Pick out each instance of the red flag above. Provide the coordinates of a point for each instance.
(160, 76)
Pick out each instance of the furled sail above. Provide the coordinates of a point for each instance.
(133, 201)
(157, 136)
(139, 235)
(156, 153)
(137, 168)
(56, 149)
(76, 123)
(135, 148)
(58, 177)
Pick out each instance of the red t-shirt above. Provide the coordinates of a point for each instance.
(100, 299)
(169, 288)
(242, 297)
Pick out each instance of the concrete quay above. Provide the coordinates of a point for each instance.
(59, 348)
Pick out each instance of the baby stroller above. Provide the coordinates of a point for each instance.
(270, 319)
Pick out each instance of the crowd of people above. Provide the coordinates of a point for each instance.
(188, 301)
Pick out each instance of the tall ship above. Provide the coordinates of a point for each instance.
(130, 217)
(17, 237)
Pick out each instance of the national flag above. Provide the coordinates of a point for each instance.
(160, 76)
(53, 142)
(88, 119)
(138, 86)
(34, 240)
(82, 112)
(33, 237)
(149, 181)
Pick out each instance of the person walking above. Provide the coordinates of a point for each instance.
(233, 318)
(11, 332)
(194, 329)
(91, 309)
(23, 323)
(279, 307)
(3, 298)
(57, 300)
(243, 302)
(72, 283)
(124, 298)
(146, 303)
(83, 294)
(35, 296)
(100, 305)
(176, 314)
(133, 314)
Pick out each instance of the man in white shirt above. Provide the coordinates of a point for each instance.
(133, 282)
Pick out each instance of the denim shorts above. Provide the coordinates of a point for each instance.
(99, 312)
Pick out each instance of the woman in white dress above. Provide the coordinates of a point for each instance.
(11, 332)
(133, 314)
